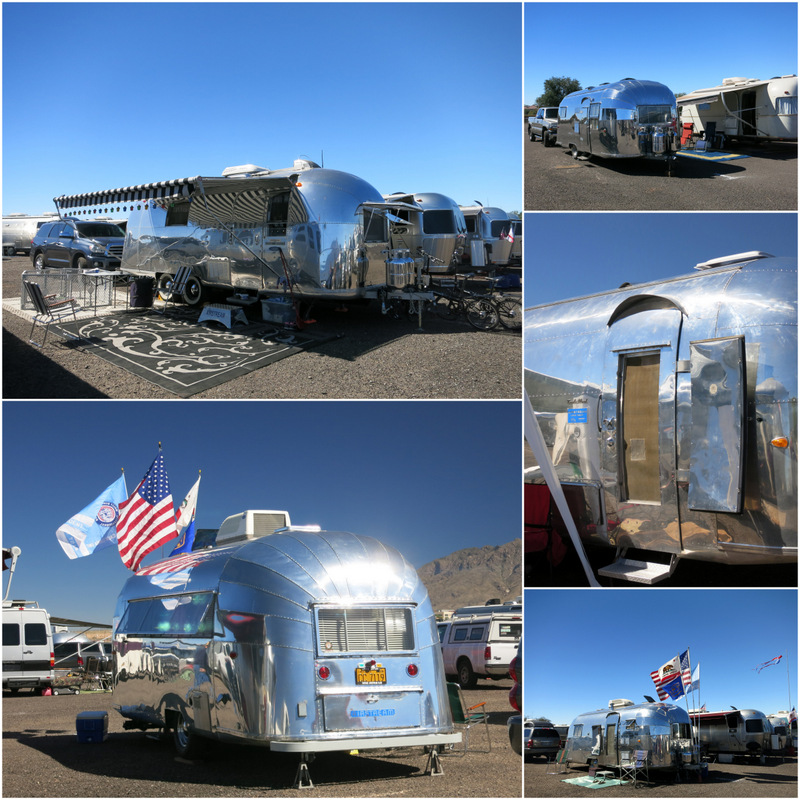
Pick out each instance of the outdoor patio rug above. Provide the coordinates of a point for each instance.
(174, 352)
(713, 155)
(594, 783)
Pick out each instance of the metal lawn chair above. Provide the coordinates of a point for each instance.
(176, 288)
(633, 765)
(48, 310)
(467, 716)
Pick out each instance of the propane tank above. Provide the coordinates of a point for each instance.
(399, 269)
(659, 141)
(644, 142)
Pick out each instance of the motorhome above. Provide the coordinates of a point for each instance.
(480, 642)
(745, 108)
(19, 229)
(291, 638)
(488, 242)
(307, 231)
(436, 230)
(738, 731)
(609, 736)
(669, 415)
(626, 119)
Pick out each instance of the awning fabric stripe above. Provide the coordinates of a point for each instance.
(129, 194)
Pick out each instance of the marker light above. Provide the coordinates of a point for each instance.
(780, 441)
(324, 673)
(412, 670)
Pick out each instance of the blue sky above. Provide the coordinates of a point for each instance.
(595, 252)
(426, 478)
(683, 45)
(584, 647)
(412, 97)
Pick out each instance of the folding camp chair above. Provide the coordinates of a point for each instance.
(560, 764)
(48, 310)
(176, 288)
(633, 764)
(467, 716)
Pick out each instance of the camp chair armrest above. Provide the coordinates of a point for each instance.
(477, 705)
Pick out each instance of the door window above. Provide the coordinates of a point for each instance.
(35, 633)
(10, 634)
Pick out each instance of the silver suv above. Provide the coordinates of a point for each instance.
(79, 244)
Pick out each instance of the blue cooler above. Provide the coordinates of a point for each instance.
(92, 726)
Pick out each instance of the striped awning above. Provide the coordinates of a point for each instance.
(129, 194)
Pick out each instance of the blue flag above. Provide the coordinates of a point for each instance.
(95, 527)
(674, 688)
(186, 541)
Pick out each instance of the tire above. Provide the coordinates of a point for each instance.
(482, 314)
(194, 292)
(444, 308)
(80, 262)
(10, 250)
(39, 262)
(545, 138)
(187, 744)
(510, 314)
(467, 679)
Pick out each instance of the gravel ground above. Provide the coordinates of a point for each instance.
(43, 758)
(767, 181)
(776, 778)
(374, 357)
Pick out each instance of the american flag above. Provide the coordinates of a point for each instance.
(686, 670)
(147, 517)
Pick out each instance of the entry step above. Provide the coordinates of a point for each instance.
(628, 569)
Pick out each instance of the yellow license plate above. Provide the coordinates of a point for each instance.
(370, 676)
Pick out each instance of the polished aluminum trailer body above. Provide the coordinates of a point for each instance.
(738, 731)
(626, 119)
(300, 641)
(743, 108)
(609, 735)
(254, 230)
(669, 411)
(19, 229)
(436, 229)
(488, 244)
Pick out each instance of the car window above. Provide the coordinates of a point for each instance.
(460, 635)
(10, 634)
(93, 229)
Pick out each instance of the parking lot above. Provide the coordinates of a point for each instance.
(766, 181)
(775, 778)
(42, 757)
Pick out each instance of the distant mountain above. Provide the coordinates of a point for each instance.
(473, 576)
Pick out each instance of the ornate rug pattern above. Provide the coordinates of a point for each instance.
(178, 354)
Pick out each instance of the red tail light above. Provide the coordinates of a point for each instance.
(324, 673)
(52, 659)
(487, 653)
(512, 669)
(80, 661)
(412, 670)
(512, 699)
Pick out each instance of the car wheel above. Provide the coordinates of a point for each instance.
(194, 292)
(187, 744)
(80, 262)
(39, 262)
(9, 251)
(467, 679)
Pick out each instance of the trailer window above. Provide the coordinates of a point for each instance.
(649, 115)
(178, 214)
(374, 227)
(500, 226)
(10, 634)
(754, 725)
(786, 105)
(178, 615)
(438, 221)
(472, 224)
(365, 630)
(681, 730)
(577, 731)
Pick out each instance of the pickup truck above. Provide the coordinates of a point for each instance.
(543, 125)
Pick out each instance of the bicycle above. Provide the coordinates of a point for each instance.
(453, 301)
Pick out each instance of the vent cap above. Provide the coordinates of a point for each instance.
(251, 525)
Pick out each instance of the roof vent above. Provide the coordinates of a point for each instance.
(738, 258)
(251, 525)
(244, 171)
(305, 163)
(620, 703)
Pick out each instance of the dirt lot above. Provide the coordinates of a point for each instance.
(43, 758)
(776, 778)
(767, 181)
(372, 357)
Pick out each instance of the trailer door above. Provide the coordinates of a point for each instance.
(638, 423)
(611, 749)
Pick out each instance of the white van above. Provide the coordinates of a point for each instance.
(28, 656)
(479, 642)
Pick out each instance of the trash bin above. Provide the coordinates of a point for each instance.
(142, 292)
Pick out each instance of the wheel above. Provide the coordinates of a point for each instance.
(194, 291)
(80, 263)
(482, 314)
(164, 285)
(510, 314)
(545, 138)
(445, 308)
(187, 744)
(10, 250)
(531, 135)
(38, 262)
(467, 679)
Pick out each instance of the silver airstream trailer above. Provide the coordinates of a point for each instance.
(292, 638)
(258, 231)
(626, 119)
(609, 736)
(488, 243)
(669, 413)
(745, 108)
(738, 731)
(436, 229)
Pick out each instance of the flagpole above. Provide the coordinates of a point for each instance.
(789, 682)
